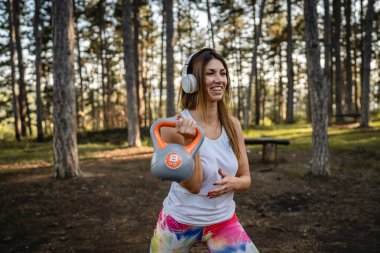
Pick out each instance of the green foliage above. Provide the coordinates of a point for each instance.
(6, 132)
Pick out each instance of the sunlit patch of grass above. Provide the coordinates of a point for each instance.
(25, 151)
(6, 132)
(339, 138)
(356, 140)
(85, 150)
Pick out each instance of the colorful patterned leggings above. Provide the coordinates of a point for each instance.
(228, 236)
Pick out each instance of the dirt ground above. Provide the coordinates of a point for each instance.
(114, 206)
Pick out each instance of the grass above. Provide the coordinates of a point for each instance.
(26, 152)
(340, 139)
(365, 141)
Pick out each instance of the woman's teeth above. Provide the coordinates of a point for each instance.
(216, 88)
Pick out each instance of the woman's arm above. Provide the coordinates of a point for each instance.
(184, 134)
(243, 172)
(242, 180)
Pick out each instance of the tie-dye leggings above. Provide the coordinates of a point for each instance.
(228, 236)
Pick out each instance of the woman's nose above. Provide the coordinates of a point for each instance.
(217, 78)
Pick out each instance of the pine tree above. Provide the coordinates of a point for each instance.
(66, 161)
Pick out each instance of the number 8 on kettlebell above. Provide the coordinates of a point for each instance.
(172, 161)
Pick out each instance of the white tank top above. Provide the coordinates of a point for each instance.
(197, 209)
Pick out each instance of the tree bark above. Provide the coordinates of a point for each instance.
(356, 74)
(264, 97)
(327, 42)
(280, 90)
(170, 109)
(66, 162)
(290, 72)
(103, 61)
(319, 91)
(347, 11)
(161, 82)
(21, 69)
(139, 78)
(367, 50)
(81, 118)
(130, 77)
(40, 136)
(253, 73)
(210, 22)
(15, 88)
(338, 64)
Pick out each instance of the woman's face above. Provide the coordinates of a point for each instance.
(215, 79)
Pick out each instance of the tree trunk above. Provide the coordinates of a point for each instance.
(81, 118)
(130, 77)
(40, 136)
(367, 50)
(253, 73)
(161, 82)
(280, 90)
(15, 89)
(21, 69)
(327, 42)
(109, 83)
(210, 22)
(347, 11)
(290, 72)
(240, 82)
(66, 162)
(143, 74)
(264, 97)
(103, 63)
(136, 42)
(319, 91)
(170, 110)
(338, 65)
(356, 74)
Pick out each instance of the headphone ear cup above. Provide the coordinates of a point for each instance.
(193, 83)
(186, 85)
(189, 83)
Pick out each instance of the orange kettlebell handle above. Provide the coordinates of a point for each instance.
(171, 123)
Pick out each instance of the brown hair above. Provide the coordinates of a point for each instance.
(198, 99)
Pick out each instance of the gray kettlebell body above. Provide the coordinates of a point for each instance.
(171, 161)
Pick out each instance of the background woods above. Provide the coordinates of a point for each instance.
(127, 55)
(81, 81)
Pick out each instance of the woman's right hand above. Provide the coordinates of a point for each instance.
(186, 127)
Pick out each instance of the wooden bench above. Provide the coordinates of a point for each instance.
(354, 117)
(269, 146)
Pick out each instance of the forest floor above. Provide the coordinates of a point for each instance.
(114, 206)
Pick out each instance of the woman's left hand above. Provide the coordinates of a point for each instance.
(227, 184)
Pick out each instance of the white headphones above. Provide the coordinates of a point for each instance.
(189, 82)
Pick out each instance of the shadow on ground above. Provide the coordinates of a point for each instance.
(114, 207)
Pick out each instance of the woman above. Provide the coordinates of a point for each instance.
(202, 209)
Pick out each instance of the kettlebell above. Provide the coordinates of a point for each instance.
(173, 162)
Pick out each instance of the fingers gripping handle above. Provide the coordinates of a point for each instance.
(159, 143)
(196, 143)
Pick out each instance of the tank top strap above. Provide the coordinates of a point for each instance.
(186, 114)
